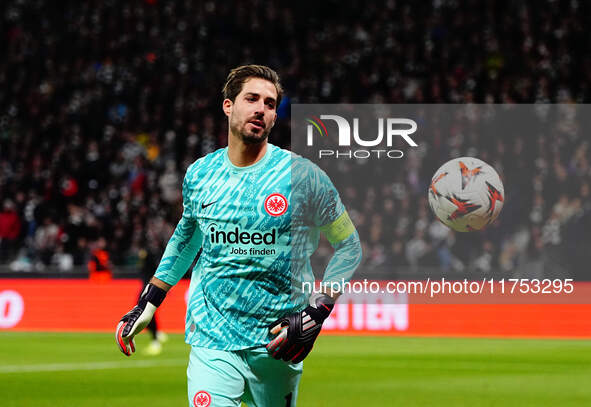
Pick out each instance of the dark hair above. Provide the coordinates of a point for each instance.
(239, 75)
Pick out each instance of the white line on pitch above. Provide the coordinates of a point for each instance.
(61, 367)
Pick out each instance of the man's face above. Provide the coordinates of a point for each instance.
(253, 112)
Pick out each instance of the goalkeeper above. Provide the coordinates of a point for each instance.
(256, 212)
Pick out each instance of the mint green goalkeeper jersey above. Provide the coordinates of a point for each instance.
(257, 227)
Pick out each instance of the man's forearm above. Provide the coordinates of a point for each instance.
(180, 252)
(343, 263)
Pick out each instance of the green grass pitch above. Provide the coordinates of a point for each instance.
(65, 369)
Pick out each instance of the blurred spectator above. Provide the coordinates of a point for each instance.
(99, 265)
(416, 248)
(46, 240)
(10, 228)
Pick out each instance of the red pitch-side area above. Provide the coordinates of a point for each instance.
(82, 305)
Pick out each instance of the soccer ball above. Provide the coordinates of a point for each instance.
(466, 194)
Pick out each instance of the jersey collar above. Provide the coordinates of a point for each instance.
(249, 168)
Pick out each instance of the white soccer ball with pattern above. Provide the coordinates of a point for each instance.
(466, 194)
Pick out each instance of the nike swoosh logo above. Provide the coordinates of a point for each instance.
(203, 206)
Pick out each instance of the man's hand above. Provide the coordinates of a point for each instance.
(297, 332)
(138, 318)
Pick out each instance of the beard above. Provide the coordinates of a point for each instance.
(253, 138)
(249, 137)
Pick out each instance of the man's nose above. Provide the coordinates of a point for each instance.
(260, 108)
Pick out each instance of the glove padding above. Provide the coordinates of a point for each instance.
(138, 318)
(297, 332)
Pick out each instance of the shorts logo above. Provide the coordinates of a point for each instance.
(276, 204)
(202, 399)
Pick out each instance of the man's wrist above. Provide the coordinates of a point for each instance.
(328, 290)
(153, 294)
(322, 304)
(160, 284)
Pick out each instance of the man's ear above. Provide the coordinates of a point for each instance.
(227, 106)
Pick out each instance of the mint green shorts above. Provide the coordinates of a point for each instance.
(226, 378)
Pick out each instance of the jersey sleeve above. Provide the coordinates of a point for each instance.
(327, 205)
(333, 221)
(183, 245)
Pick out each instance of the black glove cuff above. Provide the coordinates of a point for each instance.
(154, 295)
(323, 305)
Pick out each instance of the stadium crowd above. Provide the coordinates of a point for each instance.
(104, 104)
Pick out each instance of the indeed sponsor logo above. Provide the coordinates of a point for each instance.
(236, 236)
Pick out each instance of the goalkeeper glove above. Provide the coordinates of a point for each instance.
(297, 332)
(138, 318)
